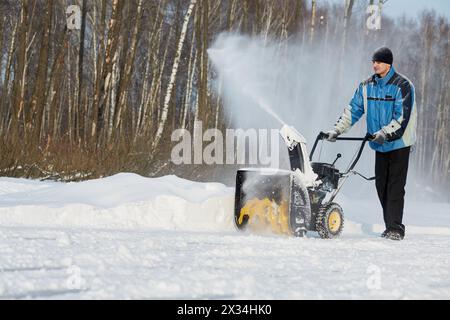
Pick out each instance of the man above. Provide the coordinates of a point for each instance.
(388, 100)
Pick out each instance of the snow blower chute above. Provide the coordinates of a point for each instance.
(293, 202)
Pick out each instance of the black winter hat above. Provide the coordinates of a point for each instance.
(383, 54)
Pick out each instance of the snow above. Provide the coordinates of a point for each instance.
(130, 237)
(124, 200)
(291, 137)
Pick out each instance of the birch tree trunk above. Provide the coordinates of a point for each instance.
(173, 75)
(151, 118)
(152, 58)
(112, 97)
(189, 82)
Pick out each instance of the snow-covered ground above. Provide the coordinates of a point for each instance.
(127, 236)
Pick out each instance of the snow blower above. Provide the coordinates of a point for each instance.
(292, 202)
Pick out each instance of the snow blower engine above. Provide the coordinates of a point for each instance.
(294, 201)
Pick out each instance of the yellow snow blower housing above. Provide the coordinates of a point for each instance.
(266, 200)
(292, 202)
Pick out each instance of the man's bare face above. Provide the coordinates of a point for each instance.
(381, 68)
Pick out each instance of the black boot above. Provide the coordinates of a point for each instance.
(394, 235)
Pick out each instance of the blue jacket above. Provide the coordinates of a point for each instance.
(389, 104)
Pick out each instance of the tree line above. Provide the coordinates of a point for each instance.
(77, 104)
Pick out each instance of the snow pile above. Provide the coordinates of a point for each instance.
(124, 200)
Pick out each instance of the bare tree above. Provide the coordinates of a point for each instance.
(19, 73)
(38, 98)
(173, 74)
(100, 97)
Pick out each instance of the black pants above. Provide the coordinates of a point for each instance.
(391, 169)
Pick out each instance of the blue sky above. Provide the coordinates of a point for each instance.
(411, 7)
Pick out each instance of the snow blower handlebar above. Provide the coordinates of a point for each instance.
(344, 176)
(368, 137)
